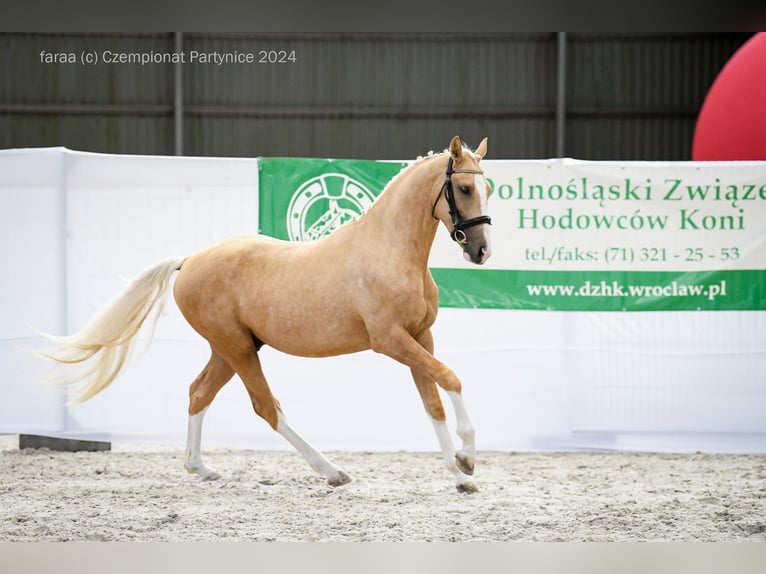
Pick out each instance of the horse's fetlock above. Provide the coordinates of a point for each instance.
(465, 463)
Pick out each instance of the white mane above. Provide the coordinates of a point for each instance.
(420, 158)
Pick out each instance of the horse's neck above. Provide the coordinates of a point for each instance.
(401, 217)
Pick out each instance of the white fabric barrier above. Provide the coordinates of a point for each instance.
(74, 224)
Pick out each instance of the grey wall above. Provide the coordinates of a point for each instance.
(618, 96)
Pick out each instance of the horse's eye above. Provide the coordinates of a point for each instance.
(465, 189)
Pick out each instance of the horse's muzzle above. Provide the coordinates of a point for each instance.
(478, 255)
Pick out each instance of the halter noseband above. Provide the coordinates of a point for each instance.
(457, 234)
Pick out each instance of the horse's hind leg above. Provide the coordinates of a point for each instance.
(266, 406)
(215, 375)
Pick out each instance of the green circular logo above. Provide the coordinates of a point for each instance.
(322, 204)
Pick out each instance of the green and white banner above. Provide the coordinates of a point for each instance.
(567, 234)
(305, 199)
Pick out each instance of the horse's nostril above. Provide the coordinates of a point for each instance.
(484, 253)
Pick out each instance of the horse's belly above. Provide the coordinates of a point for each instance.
(308, 335)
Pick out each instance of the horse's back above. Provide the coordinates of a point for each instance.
(212, 272)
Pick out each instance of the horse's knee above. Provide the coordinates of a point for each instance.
(448, 381)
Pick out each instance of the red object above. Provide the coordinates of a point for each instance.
(732, 122)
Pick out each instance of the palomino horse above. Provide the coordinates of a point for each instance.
(365, 286)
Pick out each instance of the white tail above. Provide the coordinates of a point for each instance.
(103, 347)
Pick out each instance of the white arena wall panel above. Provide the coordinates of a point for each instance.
(76, 225)
(33, 285)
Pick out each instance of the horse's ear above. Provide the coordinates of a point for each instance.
(481, 151)
(456, 148)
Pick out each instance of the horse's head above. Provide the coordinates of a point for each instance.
(462, 201)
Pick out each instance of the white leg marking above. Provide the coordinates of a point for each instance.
(335, 476)
(466, 456)
(465, 429)
(193, 463)
(464, 482)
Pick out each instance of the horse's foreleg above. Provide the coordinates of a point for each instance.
(465, 457)
(267, 407)
(456, 463)
(417, 353)
(201, 393)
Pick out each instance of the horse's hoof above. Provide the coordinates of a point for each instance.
(465, 464)
(203, 472)
(339, 479)
(467, 487)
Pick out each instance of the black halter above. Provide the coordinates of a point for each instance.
(457, 234)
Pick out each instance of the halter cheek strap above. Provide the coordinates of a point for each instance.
(458, 225)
